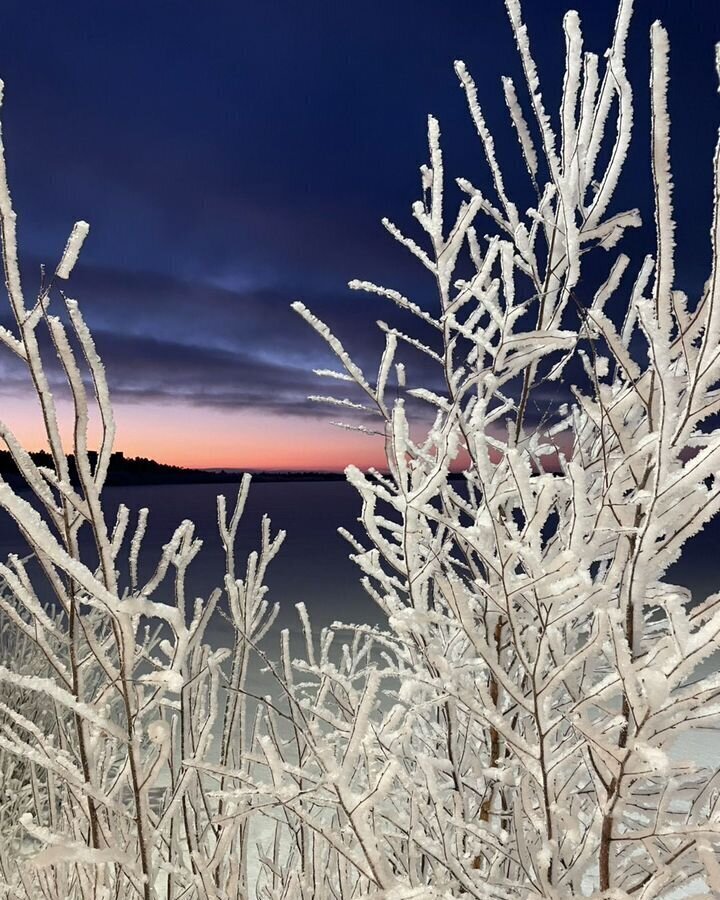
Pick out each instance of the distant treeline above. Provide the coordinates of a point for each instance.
(138, 470)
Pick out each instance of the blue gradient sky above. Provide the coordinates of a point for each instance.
(232, 157)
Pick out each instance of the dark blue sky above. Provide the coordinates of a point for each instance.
(233, 157)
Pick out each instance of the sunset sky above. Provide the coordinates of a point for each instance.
(232, 157)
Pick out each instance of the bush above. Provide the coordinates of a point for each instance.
(510, 732)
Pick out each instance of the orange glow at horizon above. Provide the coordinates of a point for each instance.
(196, 437)
(208, 438)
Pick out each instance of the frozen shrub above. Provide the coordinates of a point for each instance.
(510, 734)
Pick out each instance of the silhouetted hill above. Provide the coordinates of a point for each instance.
(138, 470)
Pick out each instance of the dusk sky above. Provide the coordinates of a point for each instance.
(232, 157)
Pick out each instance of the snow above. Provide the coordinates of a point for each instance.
(72, 249)
(537, 717)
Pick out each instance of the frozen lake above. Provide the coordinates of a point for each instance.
(313, 565)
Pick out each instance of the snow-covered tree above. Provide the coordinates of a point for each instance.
(110, 697)
(511, 733)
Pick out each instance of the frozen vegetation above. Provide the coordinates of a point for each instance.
(512, 730)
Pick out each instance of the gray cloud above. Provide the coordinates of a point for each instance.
(181, 341)
(166, 340)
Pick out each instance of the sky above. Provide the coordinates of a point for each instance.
(232, 157)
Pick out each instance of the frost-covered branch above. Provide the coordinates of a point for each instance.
(544, 666)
